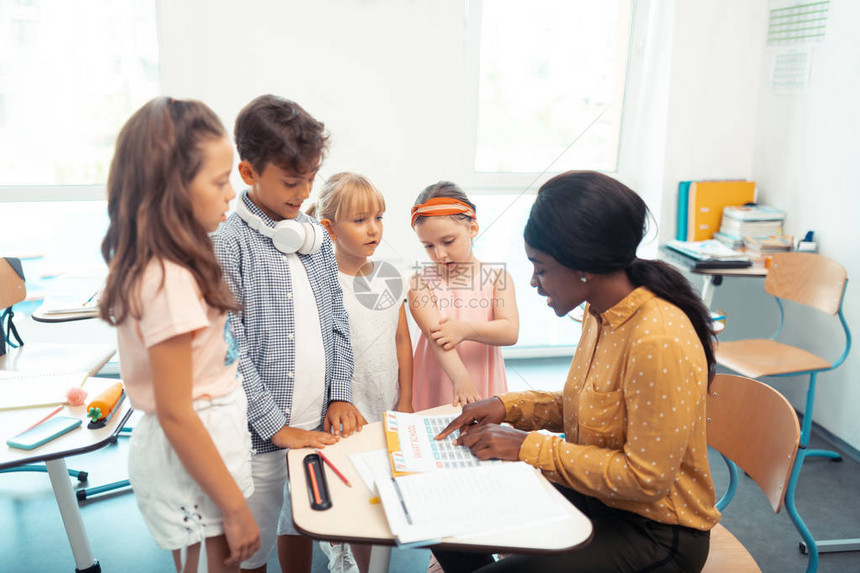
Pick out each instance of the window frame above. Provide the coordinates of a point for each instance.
(515, 182)
(51, 193)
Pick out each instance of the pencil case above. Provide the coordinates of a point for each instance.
(318, 493)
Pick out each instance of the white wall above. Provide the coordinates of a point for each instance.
(805, 158)
(801, 149)
(386, 77)
(717, 52)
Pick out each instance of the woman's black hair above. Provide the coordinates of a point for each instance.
(590, 222)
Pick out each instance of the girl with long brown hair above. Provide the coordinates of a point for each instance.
(189, 460)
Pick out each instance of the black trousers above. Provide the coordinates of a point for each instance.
(623, 542)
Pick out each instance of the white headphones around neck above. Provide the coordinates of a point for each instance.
(289, 236)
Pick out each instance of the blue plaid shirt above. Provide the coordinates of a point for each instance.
(259, 276)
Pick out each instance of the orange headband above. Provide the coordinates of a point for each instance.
(438, 206)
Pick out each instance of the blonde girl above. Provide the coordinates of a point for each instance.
(189, 458)
(351, 208)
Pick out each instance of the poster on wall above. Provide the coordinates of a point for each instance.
(793, 29)
(790, 73)
(793, 23)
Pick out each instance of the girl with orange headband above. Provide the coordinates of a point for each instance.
(466, 309)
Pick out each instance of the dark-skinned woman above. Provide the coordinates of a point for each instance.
(634, 456)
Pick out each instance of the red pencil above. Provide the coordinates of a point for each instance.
(315, 488)
(334, 469)
(45, 418)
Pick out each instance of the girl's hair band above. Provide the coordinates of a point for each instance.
(439, 206)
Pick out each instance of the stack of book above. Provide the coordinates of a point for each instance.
(738, 223)
(768, 245)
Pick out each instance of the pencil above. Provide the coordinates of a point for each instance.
(315, 487)
(334, 469)
(46, 418)
(90, 299)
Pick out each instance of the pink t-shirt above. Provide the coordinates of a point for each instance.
(168, 310)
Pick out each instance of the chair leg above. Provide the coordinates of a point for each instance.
(86, 493)
(806, 428)
(83, 494)
(790, 506)
(79, 474)
(835, 456)
(808, 545)
(724, 501)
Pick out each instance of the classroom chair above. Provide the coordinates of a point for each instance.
(818, 282)
(753, 426)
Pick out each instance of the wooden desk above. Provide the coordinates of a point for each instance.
(352, 518)
(78, 441)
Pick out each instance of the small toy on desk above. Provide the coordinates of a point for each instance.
(807, 245)
(76, 396)
(100, 410)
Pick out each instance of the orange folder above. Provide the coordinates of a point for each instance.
(706, 202)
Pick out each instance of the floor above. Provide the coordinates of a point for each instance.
(32, 538)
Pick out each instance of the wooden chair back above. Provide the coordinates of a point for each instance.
(807, 278)
(12, 288)
(756, 427)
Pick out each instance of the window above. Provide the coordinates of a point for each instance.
(71, 72)
(550, 84)
(545, 93)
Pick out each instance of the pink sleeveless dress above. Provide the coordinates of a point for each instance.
(468, 300)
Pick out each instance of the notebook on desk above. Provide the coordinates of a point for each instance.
(21, 390)
(696, 264)
(469, 502)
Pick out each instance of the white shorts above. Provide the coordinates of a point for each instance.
(174, 507)
(270, 504)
